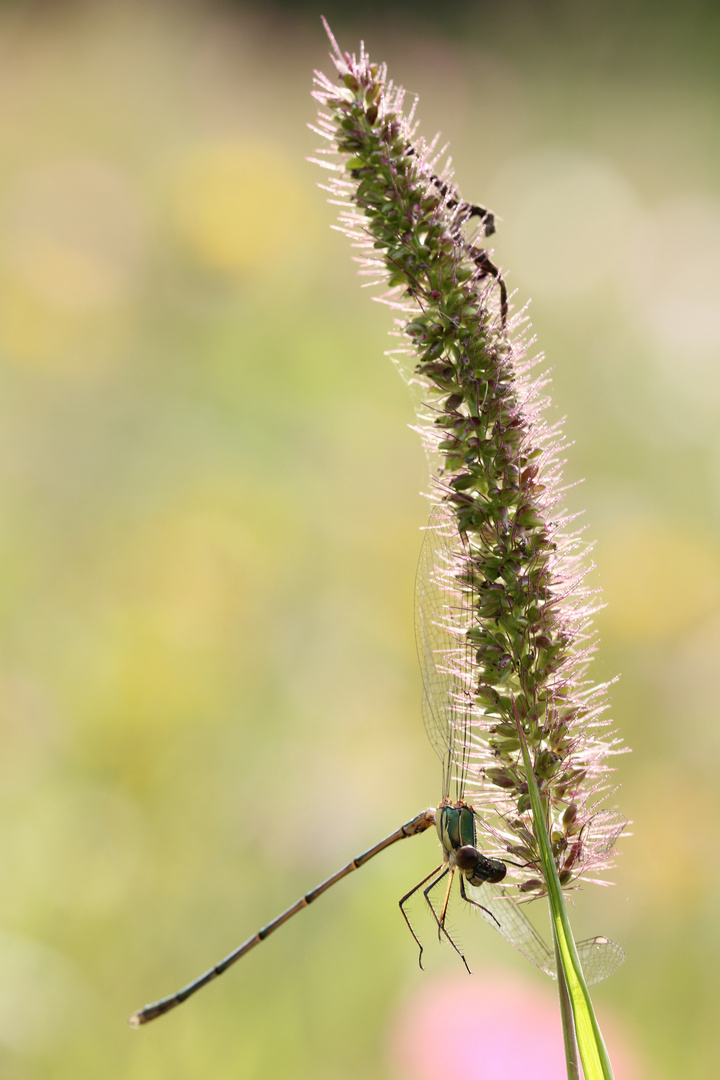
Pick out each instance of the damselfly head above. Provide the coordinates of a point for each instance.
(493, 870)
(478, 868)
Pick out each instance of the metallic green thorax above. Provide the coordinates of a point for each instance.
(458, 836)
(456, 827)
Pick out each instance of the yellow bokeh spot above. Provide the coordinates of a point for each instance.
(658, 579)
(49, 338)
(30, 332)
(235, 204)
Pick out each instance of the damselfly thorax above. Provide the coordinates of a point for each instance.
(458, 835)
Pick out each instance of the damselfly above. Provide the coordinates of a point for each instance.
(447, 713)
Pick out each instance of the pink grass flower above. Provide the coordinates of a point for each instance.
(512, 577)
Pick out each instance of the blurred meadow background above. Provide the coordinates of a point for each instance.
(211, 515)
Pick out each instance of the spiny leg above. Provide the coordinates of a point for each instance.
(489, 269)
(473, 210)
(470, 210)
(404, 900)
(450, 193)
(441, 924)
(469, 900)
(478, 255)
(443, 909)
(428, 901)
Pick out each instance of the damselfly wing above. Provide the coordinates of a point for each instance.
(443, 613)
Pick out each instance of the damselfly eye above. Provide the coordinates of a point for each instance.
(498, 870)
(466, 857)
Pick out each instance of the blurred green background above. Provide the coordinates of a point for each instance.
(211, 513)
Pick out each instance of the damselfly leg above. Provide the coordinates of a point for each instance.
(403, 902)
(464, 212)
(469, 900)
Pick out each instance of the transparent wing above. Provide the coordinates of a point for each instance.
(434, 644)
(513, 925)
(603, 830)
(599, 956)
(441, 613)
